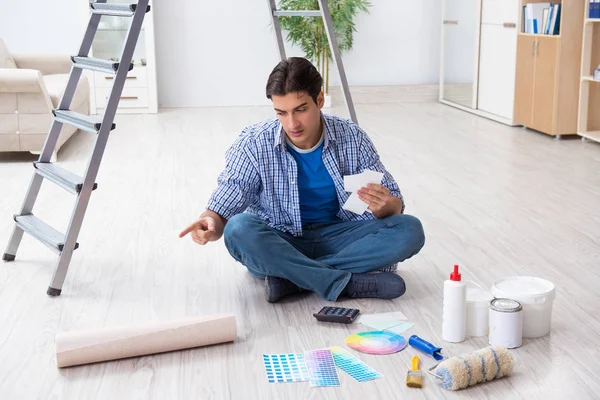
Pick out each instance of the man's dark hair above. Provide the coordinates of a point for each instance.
(295, 74)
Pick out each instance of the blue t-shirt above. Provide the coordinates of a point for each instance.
(318, 198)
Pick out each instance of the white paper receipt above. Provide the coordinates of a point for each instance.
(352, 183)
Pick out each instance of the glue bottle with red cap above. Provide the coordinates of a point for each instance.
(454, 318)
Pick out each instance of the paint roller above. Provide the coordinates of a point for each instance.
(469, 369)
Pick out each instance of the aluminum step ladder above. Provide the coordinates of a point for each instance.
(25, 221)
(324, 13)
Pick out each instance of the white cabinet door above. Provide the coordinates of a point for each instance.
(459, 53)
(497, 65)
(499, 11)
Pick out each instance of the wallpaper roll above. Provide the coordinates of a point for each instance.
(85, 347)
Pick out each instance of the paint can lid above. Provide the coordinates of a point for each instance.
(525, 289)
(505, 305)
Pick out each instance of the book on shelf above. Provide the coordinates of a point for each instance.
(542, 18)
(594, 9)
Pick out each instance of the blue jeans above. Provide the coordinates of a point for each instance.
(325, 256)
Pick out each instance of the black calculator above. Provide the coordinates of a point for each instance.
(337, 314)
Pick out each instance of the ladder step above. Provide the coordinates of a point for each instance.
(81, 121)
(63, 178)
(97, 64)
(42, 232)
(115, 10)
(301, 13)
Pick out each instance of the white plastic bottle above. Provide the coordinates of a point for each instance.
(454, 319)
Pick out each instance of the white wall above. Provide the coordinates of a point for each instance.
(225, 53)
(217, 52)
(397, 43)
(43, 26)
(221, 52)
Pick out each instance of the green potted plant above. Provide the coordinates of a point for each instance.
(308, 33)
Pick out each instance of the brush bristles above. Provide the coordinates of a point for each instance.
(414, 379)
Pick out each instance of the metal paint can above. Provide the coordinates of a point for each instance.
(506, 323)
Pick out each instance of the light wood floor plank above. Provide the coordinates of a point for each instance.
(497, 200)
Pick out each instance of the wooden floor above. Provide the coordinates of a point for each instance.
(499, 201)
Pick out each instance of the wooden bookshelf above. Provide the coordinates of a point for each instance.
(592, 135)
(539, 34)
(549, 73)
(588, 123)
(523, 3)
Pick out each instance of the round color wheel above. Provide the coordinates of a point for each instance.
(376, 342)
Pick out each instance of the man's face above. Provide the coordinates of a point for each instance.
(300, 117)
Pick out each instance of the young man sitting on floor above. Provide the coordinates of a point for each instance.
(279, 200)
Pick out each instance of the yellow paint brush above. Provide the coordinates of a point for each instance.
(414, 378)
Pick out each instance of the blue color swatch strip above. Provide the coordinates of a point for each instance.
(285, 367)
(321, 368)
(353, 366)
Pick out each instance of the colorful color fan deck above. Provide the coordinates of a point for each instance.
(285, 368)
(353, 366)
(376, 342)
(321, 368)
(317, 366)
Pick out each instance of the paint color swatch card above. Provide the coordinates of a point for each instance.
(321, 368)
(393, 322)
(401, 327)
(285, 368)
(394, 316)
(382, 321)
(353, 366)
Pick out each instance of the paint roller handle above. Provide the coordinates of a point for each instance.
(426, 347)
